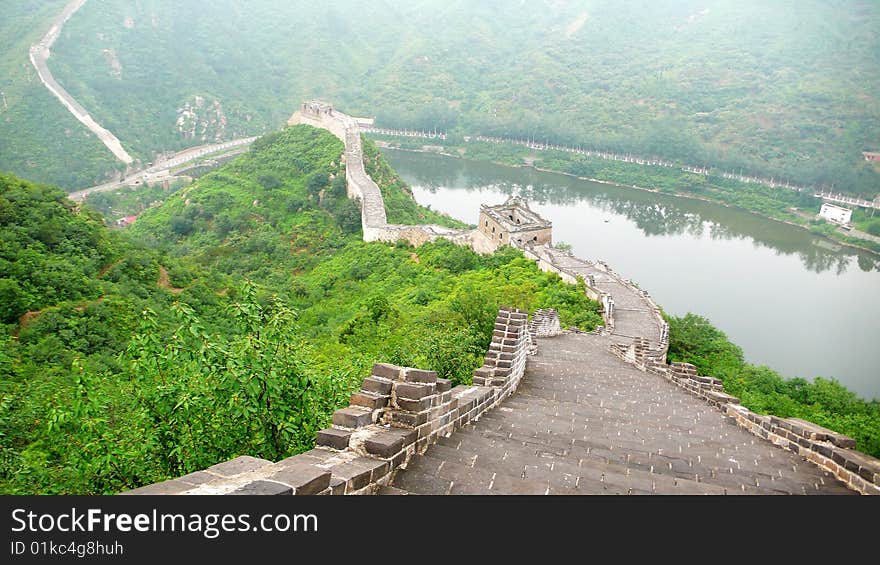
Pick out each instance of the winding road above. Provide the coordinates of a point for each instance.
(40, 53)
(161, 170)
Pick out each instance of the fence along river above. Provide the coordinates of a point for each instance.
(794, 301)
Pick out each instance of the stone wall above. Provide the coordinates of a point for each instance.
(545, 323)
(374, 220)
(395, 416)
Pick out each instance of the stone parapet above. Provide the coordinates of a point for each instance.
(505, 361)
(828, 450)
(545, 323)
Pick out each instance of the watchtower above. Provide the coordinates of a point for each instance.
(316, 108)
(514, 223)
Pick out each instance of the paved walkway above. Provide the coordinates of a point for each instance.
(585, 422)
(633, 315)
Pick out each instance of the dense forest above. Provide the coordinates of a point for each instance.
(232, 319)
(782, 89)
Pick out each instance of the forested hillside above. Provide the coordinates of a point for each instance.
(776, 88)
(233, 319)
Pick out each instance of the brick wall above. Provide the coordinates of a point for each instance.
(545, 323)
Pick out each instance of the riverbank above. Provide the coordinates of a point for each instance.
(523, 159)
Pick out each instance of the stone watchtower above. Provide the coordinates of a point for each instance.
(514, 223)
(316, 108)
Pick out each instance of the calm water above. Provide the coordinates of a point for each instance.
(800, 304)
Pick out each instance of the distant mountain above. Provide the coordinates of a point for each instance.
(784, 89)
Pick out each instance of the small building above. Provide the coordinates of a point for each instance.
(836, 214)
(871, 156)
(514, 223)
(126, 221)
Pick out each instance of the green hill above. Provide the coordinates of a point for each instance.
(784, 89)
(233, 319)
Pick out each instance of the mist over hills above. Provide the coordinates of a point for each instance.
(779, 89)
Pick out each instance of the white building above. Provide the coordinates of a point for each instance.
(835, 214)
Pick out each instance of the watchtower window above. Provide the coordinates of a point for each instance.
(487, 223)
(493, 229)
(535, 238)
(510, 216)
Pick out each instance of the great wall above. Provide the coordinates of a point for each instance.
(551, 411)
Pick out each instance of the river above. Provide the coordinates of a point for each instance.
(796, 302)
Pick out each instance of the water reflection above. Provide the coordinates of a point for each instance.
(654, 214)
(799, 303)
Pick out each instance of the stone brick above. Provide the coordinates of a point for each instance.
(304, 479)
(408, 419)
(841, 440)
(197, 478)
(484, 372)
(384, 444)
(722, 397)
(435, 412)
(316, 456)
(335, 438)
(263, 488)
(398, 460)
(238, 466)
(416, 405)
(425, 429)
(419, 376)
(368, 400)
(352, 417)
(337, 486)
(413, 391)
(360, 472)
(386, 370)
(377, 385)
